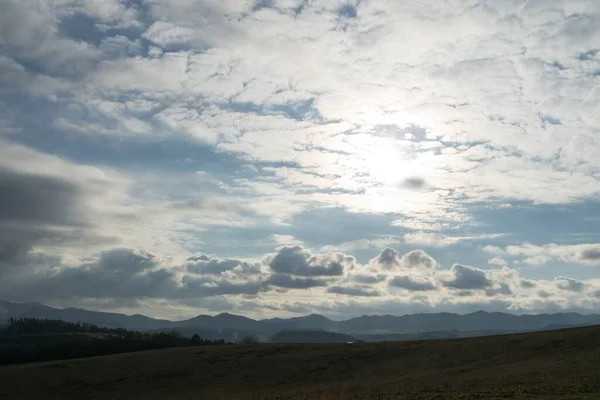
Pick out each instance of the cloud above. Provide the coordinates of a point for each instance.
(387, 258)
(127, 260)
(527, 284)
(38, 199)
(295, 260)
(205, 265)
(466, 278)
(498, 261)
(429, 239)
(291, 282)
(569, 284)
(168, 35)
(390, 259)
(368, 278)
(131, 277)
(501, 288)
(292, 109)
(418, 259)
(414, 183)
(591, 254)
(126, 274)
(353, 291)
(32, 34)
(198, 286)
(361, 244)
(583, 253)
(437, 240)
(48, 202)
(411, 283)
(120, 46)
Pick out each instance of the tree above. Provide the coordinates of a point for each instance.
(249, 340)
(195, 339)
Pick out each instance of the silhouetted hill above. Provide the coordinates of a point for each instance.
(230, 325)
(313, 321)
(72, 314)
(221, 321)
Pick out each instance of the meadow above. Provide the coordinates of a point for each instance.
(547, 365)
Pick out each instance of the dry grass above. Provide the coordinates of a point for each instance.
(559, 364)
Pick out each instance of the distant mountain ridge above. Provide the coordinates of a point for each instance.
(372, 326)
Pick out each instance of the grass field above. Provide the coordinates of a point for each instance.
(549, 365)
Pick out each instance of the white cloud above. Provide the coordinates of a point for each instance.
(583, 253)
(498, 261)
(361, 244)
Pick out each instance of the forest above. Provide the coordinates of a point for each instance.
(31, 340)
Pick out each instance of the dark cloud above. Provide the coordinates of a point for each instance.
(463, 293)
(499, 288)
(203, 204)
(203, 286)
(569, 284)
(390, 259)
(354, 291)
(410, 283)
(123, 273)
(201, 257)
(414, 183)
(34, 199)
(123, 259)
(290, 282)
(527, 284)
(93, 281)
(418, 259)
(295, 260)
(591, 254)
(467, 278)
(369, 279)
(204, 264)
(36, 208)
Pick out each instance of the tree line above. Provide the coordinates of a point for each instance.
(32, 340)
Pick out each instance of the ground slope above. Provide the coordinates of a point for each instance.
(558, 364)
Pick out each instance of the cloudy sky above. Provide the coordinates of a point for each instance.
(286, 157)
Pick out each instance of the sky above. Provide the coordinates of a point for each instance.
(276, 158)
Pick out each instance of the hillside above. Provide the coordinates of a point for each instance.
(310, 336)
(556, 365)
(32, 340)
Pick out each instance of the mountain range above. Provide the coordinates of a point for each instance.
(367, 327)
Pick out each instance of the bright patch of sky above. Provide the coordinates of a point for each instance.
(390, 156)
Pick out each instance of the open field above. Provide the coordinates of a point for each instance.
(557, 364)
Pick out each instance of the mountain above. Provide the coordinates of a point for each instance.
(478, 321)
(371, 327)
(221, 321)
(309, 322)
(72, 314)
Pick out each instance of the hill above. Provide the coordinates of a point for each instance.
(73, 314)
(371, 327)
(31, 340)
(309, 336)
(548, 365)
